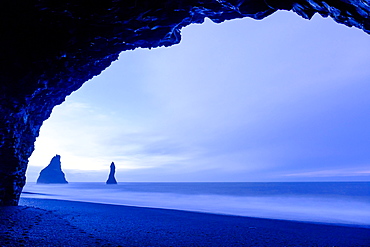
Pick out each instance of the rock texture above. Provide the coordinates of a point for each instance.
(111, 178)
(49, 49)
(52, 174)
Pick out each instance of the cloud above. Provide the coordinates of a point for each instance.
(353, 172)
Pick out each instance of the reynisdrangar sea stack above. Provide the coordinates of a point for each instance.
(111, 178)
(52, 174)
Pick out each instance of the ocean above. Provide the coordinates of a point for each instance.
(343, 203)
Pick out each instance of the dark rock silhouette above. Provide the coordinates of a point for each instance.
(111, 178)
(50, 48)
(52, 174)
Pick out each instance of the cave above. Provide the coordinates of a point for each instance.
(49, 49)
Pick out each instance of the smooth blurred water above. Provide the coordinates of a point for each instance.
(325, 202)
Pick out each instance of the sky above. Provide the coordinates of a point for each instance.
(282, 99)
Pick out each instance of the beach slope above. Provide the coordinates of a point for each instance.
(45, 222)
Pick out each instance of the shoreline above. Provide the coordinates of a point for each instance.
(346, 204)
(50, 222)
(203, 212)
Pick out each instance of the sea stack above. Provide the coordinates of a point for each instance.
(111, 178)
(52, 174)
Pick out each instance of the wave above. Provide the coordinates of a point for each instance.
(332, 209)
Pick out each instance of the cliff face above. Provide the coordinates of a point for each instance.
(52, 174)
(49, 49)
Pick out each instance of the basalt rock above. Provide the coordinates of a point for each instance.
(49, 49)
(52, 174)
(111, 178)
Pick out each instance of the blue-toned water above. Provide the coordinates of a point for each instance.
(325, 202)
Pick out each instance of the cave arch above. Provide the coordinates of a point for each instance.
(50, 49)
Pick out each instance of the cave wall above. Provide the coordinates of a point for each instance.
(49, 49)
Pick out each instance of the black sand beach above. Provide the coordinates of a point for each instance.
(42, 222)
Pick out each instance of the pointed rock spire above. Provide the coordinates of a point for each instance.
(52, 174)
(111, 178)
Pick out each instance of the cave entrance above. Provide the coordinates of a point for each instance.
(276, 100)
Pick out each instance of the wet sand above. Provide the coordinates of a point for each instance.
(44, 222)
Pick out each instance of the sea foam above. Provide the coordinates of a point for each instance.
(312, 202)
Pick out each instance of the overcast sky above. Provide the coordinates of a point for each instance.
(282, 99)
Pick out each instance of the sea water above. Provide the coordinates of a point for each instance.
(345, 203)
